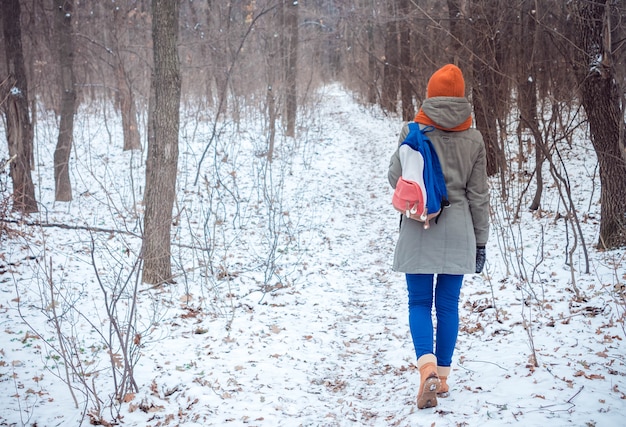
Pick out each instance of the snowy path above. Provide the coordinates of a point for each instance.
(336, 351)
(324, 353)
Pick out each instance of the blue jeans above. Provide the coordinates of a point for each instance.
(447, 290)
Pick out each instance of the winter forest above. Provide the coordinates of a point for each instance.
(196, 224)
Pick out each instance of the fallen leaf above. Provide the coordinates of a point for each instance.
(116, 359)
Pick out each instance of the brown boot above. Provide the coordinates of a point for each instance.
(443, 390)
(429, 381)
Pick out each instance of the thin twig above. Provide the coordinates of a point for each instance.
(57, 326)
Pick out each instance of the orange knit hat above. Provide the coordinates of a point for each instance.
(446, 81)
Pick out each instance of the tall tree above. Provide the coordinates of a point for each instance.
(271, 48)
(457, 52)
(163, 129)
(291, 31)
(219, 17)
(14, 97)
(64, 10)
(391, 74)
(602, 97)
(527, 90)
(372, 63)
(406, 65)
(485, 35)
(124, 95)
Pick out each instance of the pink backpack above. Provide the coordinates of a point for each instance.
(418, 160)
(409, 196)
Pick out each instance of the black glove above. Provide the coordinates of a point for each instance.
(481, 257)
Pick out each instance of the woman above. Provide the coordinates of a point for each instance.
(452, 246)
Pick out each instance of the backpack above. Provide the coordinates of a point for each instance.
(420, 192)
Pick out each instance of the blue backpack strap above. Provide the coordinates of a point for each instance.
(433, 174)
(415, 137)
(439, 181)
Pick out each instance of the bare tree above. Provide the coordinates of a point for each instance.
(219, 17)
(372, 63)
(406, 65)
(162, 158)
(64, 10)
(291, 59)
(125, 100)
(14, 99)
(598, 42)
(527, 90)
(391, 75)
(484, 90)
(457, 51)
(271, 47)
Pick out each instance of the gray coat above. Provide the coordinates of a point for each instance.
(448, 246)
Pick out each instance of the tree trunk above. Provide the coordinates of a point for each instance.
(14, 93)
(457, 52)
(406, 67)
(372, 67)
(126, 102)
(484, 89)
(601, 99)
(130, 129)
(64, 10)
(162, 157)
(219, 15)
(527, 91)
(389, 95)
(271, 48)
(291, 102)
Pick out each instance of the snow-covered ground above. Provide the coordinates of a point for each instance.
(305, 326)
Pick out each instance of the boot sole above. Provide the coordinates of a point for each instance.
(428, 395)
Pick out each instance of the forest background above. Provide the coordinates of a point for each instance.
(228, 57)
(539, 74)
